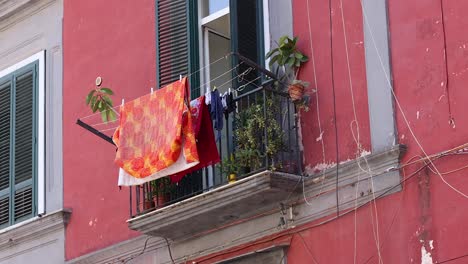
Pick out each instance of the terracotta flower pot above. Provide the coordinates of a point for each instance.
(148, 204)
(296, 91)
(159, 200)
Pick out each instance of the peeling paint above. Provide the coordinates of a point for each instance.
(431, 244)
(417, 115)
(364, 153)
(320, 138)
(319, 167)
(426, 257)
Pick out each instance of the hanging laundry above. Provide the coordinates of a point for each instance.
(216, 112)
(208, 97)
(231, 105)
(154, 139)
(206, 145)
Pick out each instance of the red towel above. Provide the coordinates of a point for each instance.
(206, 145)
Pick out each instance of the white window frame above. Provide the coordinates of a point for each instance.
(40, 58)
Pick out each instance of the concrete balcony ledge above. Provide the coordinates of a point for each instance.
(245, 198)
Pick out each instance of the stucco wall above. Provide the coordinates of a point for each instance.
(316, 158)
(26, 28)
(25, 32)
(117, 42)
(420, 224)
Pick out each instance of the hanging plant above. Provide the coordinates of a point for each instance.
(289, 59)
(99, 100)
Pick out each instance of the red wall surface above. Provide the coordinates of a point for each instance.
(117, 42)
(114, 40)
(427, 214)
(320, 24)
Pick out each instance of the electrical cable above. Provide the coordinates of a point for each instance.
(447, 79)
(359, 147)
(452, 259)
(137, 255)
(315, 83)
(405, 119)
(295, 230)
(169, 249)
(334, 106)
(307, 247)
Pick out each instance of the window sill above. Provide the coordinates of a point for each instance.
(33, 228)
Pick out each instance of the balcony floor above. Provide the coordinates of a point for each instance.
(247, 197)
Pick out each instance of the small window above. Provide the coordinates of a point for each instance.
(19, 148)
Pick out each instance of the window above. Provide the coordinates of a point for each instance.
(188, 39)
(192, 34)
(21, 150)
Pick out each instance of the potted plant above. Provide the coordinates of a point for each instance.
(160, 189)
(230, 168)
(289, 59)
(99, 99)
(251, 125)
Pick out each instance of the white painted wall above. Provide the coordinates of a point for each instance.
(28, 27)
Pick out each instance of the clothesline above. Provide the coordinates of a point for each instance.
(242, 87)
(190, 74)
(242, 75)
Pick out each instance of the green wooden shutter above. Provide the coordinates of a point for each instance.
(177, 41)
(18, 145)
(247, 33)
(5, 106)
(24, 144)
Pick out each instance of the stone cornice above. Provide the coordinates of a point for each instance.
(121, 251)
(385, 174)
(34, 228)
(14, 11)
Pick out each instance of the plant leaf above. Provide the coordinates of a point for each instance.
(291, 61)
(282, 40)
(107, 100)
(104, 116)
(93, 101)
(299, 55)
(95, 105)
(271, 52)
(90, 95)
(273, 60)
(112, 115)
(107, 91)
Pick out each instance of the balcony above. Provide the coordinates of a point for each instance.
(259, 141)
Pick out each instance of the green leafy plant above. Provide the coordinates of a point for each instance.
(253, 144)
(161, 186)
(99, 99)
(290, 59)
(230, 166)
(287, 54)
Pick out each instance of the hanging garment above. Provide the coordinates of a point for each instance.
(206, 145)
(216, 112)
(154, 139)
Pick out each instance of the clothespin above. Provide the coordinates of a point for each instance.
(214, 88)
(152, 90)
(180, 77)
(229, 90)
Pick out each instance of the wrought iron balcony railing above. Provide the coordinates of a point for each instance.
(259, 134)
